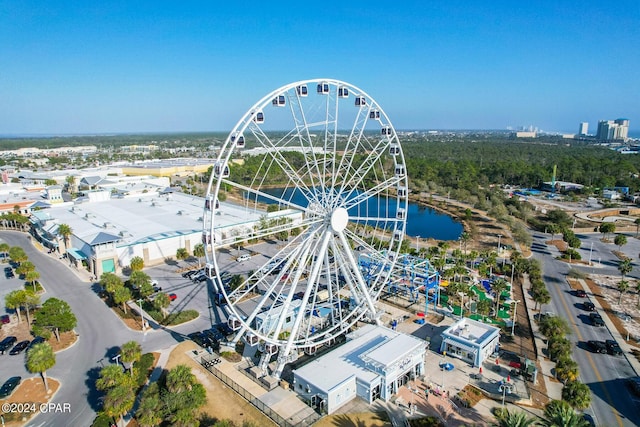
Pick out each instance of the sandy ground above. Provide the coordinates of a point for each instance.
(222, 402)
(32, 392)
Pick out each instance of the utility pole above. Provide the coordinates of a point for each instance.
(515, 308)
(141, 314)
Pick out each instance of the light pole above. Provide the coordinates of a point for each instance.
(590, 251)
(141, 315)
(513, 323)
(444, 364)
(504, 388)
(512, 270)
(116, 358)
(499, 236)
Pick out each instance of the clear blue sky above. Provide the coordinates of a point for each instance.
(143, 66)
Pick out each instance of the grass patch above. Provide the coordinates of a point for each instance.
(180, 317)
(231, 356)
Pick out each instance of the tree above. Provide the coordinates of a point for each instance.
(559, 413)
(566, 368)
(121, 295)
(507, 418)
(25, 268)
(14, 300)
(110, 282)
(625, 267)
(130, 353)
(483, 306)
(32, 277)
(65, 231)
(198, 252)
(136, 263)
(623, 286)
(183, 396)
(554, 326)
(553, 229)
(620, 240)
(139, 278)
(4, 247)
(497, 287)
(465, 238)
(55, 315)
(161, 301)
(17, 254)
(541, 296)
(31, 301)
(182, 254)
(559, 347)
(577, 394)
(119, 391)
(40, 358)
(150, 412)
(607, 228)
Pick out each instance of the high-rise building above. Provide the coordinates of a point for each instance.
(584, 128)
(612, 130)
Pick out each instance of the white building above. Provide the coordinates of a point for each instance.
(583, 129)
(373, 363)
(470, 340)
(108, 232)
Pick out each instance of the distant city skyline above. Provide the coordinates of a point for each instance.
(133, 67)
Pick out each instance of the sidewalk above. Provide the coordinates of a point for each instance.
(554, 388)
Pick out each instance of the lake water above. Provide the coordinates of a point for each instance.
(421, 220)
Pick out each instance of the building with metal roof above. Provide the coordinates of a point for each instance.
(470, 340)
(373, 363)
(108, 232)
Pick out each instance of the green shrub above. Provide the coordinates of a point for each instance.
(37, 330)
(143, 366)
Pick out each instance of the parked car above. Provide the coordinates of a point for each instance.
(588, 305)
(36, 340)
(634, 385)
(581, 293)
(173, 297)
(613, 347)
(7, 343)
(200, 278)
(596, 319)
(8, 272)
(8, 387)
(597, 346)
(243, 257)
(20, 347)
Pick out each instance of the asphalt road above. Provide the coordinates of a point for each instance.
(605, 374)
(100, 335)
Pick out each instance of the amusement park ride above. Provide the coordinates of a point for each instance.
(334, 145)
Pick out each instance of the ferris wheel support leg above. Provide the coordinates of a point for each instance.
(361, 284)
(283, 356)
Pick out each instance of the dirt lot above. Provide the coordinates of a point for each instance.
(222, 402)
(30, 390)
(368, 419)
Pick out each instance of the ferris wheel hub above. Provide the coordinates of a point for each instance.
(339, 219)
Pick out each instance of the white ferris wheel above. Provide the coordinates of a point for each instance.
(329, 184)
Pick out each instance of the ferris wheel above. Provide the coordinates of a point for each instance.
(319, 173)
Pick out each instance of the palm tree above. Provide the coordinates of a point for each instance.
(623, 286)
(465, 238)
(130, 353)
(182, 254)
(161, 302)
(625, 267)
(32, 277)
(198, 252)
(111, 376)
(541, 296)
(577, 394)
(32, 300)
(136, 263)
(14, 300)
(514, 419)
(497, 287)
(41, 357)
(119, 400)
(4, 247)
(554, 326)
(620, 240)
(65, 231)
(566, 369)
(559, 413)
(150, 411)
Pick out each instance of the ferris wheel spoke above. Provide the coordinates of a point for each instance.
(372, 192)
(259, 193)
(354, 176)
(305, 140)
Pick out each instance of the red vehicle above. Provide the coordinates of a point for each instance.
(173, 297)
